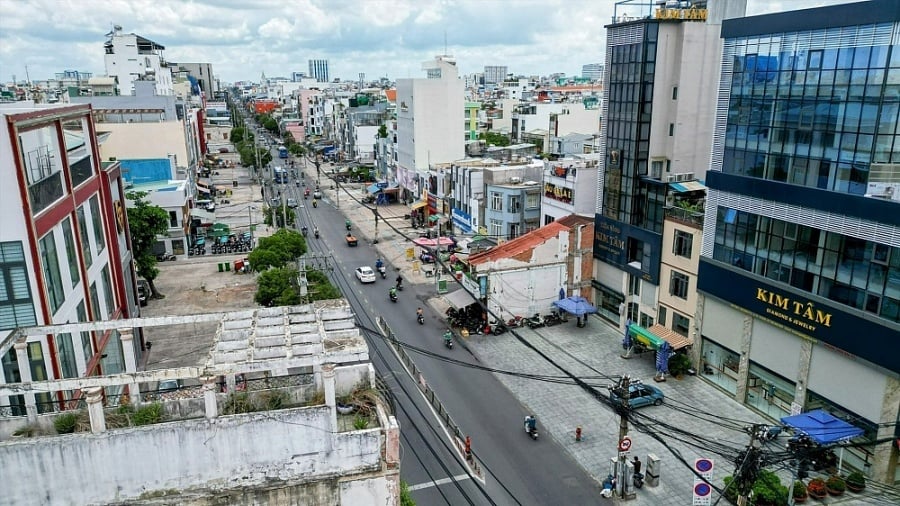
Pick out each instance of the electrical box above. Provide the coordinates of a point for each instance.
(653, 468)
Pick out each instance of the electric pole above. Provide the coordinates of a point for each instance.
(747, 469)
(622, 392)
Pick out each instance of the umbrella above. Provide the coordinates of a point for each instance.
(578, 306)
(662, 358)
(626, 343)
(824, 428)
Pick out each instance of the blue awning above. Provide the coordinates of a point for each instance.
(374, 188)
(688, 186)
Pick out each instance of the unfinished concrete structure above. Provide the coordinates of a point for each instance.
(262, 423)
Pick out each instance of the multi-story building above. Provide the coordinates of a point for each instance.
(318, 69)
(65, 252)
(800, 266)
(494, 74)
(592, 71)
(570, 187)
(203, 73)
(468, 180)
(512, 209)
(130, 57)
(656, 131)
(429, 130)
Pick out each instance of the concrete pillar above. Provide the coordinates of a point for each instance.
(230, 383)
(209, 397)
(806, 347)
(330, 401)
(392, 443)
(25, 375)
(740, 393)
(126, 335)
(885, 459)
(317, 376)
(94, 398)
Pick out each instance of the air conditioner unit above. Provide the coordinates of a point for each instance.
(670, 179)
(684, 177)
(515, 180)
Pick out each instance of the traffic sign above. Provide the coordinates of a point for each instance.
(625, 444)
(704, 467)
(702, 493)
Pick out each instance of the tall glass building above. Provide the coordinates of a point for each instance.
(800, 266)
(319, 70)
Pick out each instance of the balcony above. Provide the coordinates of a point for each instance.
(687, 215)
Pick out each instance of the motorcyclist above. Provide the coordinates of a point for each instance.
(315, 203)
(393, 292)
(399, 281)
(347, 224)
(304, 230)
(379, 264)
(530, 424)
(316, 232)
(420, 312)
(448, 336)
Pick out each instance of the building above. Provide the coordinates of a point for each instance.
(202, 73)
(800, 265)
(570, 187)
(130, 57)
(656, 131)
(494, 74)
(297, 76)
(467, 185)
(318, 69)
(430, 129)
(592, 71)
(512, 208)
(272, 416)
(65, 251)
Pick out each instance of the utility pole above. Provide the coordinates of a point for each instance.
(375, 210)
(747, 469)
(622, 391)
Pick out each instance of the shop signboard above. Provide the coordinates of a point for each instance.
(803, 314)
(631, 249)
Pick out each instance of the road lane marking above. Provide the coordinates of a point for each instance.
(444, 481)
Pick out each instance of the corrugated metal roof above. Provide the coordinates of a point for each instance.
(518, 245)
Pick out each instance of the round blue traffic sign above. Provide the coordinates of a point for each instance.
(702, 489)
(703, 465)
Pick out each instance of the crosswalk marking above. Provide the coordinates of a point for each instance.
(429, 484)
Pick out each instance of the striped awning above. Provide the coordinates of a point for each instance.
(676, 340)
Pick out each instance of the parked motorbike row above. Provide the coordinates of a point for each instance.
(225, 244)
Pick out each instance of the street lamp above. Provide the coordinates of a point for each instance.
(250, 210)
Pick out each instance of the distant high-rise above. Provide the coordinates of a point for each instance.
(494, 74)
(296, 77)
(319, 70)
(592, 71)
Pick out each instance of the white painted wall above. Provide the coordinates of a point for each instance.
(228, 452)
(129, 141)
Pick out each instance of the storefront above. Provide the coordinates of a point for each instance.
(608, 302)
(720, 365)
(769, 393)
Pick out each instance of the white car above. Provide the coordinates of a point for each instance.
(365, 274)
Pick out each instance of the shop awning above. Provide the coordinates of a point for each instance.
(418, 205)
(676, 340)
(460, 298)
(374, 188)
(687, 186)
(435, 217)
(430, 243)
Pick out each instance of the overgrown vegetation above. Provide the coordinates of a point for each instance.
(360, 422)
(66, 422)
(405, 497)
(266, 400)
(494, 138)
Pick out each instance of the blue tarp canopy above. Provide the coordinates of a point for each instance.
(374, 188)
(578, 306)
(823, 427)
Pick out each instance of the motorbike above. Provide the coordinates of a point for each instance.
(304, 230)
(399, 285)
(393, 296)
(498, 327)
(552, 319)
(162, 257)
(638, 480)
(448, 340)
(347, 224)
(316, 233)
(421, 319)
(531, 427)
(535, 321)
(383, 271)
(514, 322)
(315, 203)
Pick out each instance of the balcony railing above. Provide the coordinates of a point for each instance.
(686, 216)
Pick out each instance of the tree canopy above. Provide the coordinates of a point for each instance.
(277, 250)
(145, 222)
(494, 138)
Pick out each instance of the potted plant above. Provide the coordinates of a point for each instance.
(799, 491)
(816, 488)
(835, 485)
(856, 481)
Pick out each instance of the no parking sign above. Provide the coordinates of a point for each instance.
(702, 493)
(625, 444)
(704, 467)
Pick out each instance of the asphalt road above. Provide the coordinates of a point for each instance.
(519, 470)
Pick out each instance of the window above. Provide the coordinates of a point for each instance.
(671, 129)
(656, 167)
(496, 228)
(71, 254)
(674, 92)
(532, 200)
(548, 219)
(678, 285)
(681, 324)
(634, 285)
(50, 264)
(16, 306)
(98, 223)
(496, 201)
(515, 204)
(173, 219)
(683, 244)
(85, 241)
(514, 230)
(646, 320)
(38, 368)
(95, 302)
(107, 290)
(662, 315)
(66, 353)
(87, 347)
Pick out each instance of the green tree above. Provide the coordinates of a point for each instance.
(237, 135)
(494, 138)
(275, 287)
(382, 132)
(274, 216)
(277, 250)
(145, 222)
(320, 288)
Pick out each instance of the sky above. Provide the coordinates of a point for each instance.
(381, 38)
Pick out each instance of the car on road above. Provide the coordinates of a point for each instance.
(292, 203)
(640, 395)
(365, 274)
(317, 194)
